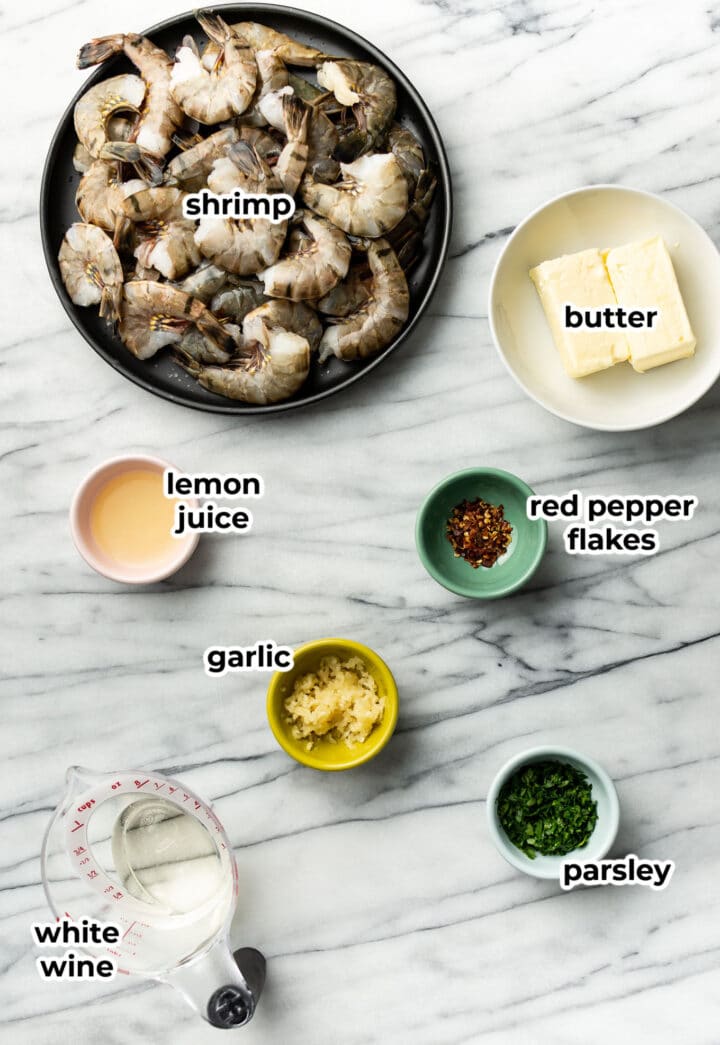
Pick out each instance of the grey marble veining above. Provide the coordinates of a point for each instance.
(386, 914)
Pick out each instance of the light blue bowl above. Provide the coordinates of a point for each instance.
(603, 792)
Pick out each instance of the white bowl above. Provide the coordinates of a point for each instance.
(618, 399)
(603, 792)
(81, 529)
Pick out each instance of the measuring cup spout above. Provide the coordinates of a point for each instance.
(224, 988)
(79, 779)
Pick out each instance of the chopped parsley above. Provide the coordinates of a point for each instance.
(548, 808)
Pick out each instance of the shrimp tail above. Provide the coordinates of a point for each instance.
(245, 158)
(295, 113)
(214, 331)
(351, 145)
(186, 361)
(111, 304)
(121, 232)
(99, 50)
(185, 140)
(191, 43)
(214, 27)
(147, 166)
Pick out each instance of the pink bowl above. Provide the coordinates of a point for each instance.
(80, 510)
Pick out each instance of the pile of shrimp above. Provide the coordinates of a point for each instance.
(245, 305)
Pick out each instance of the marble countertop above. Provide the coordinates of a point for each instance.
(384, 910)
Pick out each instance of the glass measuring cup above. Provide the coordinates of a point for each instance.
(143, 852)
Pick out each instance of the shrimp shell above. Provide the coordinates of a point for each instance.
(241, 247)
(160, 116)
(207, 280)
(93, 111)
(157, 314)
(99, 196)
(226, 90)
(276, 369)
(235, 301)
(370, 92)
(377, 322)
(350, 295)
(293, 159)
(91, 269)
(263, 38)
(190, 168)
(281, 314)
(319, 263)
(369, 201)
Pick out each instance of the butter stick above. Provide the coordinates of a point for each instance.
(582, 280)
(643, 276)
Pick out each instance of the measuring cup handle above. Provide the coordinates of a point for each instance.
(232, 1005)
(222, 986)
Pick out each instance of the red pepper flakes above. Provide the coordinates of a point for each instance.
(479, 532)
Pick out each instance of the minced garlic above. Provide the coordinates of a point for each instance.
(339, 702)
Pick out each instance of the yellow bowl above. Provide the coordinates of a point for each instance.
(324, 755)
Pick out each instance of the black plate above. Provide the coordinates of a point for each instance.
(161, 375)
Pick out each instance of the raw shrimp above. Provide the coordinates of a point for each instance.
(242, 167)
(82, 160)
(277, 367)
(118, 129)
(167, 238)
(226, 90)
(281, 314)
(406, 238)
(93, 111)
(272, 75)
(322, 135)
(160, 115)
(322, 143)
(146, 165)
(370, 92)
(236, 300)
(264, 144)
(304, 89)
(382, 316)
(244, 247)
(319, 263)
(369, 201)
(91, 269)
(263, 38)
(350, 295)
(271, 108)
(194, 345)
(207, 280)
(100, 193)
(140, 272)
(156, 314)
(293, 159)
(156, 201)
(408, 151)
(190, 168)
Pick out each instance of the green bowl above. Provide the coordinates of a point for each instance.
(514, 568)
